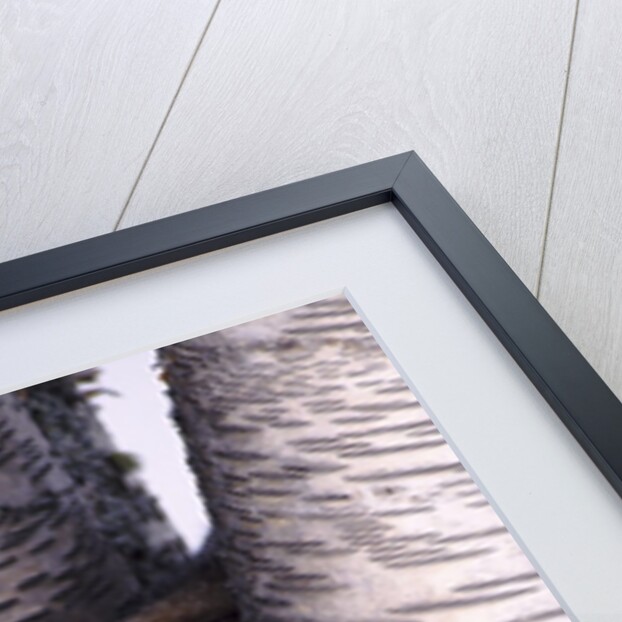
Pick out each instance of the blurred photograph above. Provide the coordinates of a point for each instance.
(276, 471)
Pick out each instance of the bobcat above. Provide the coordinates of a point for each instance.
(334, 496)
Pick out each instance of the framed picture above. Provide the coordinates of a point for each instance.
(531, 422)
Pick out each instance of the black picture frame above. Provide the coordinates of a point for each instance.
(572, 388)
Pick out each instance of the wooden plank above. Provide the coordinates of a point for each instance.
(283, 91)
(582, 275)
(84, 87)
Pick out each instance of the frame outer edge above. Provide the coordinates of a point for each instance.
(573, 389)
(120, 253)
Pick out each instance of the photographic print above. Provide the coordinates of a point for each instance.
(276, 471)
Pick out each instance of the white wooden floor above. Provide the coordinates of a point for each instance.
(112, 114)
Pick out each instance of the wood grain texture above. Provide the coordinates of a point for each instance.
(84, 87)
(283, 91)
(582, 275)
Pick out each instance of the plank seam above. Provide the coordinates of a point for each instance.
(547, 218)
(166, 116)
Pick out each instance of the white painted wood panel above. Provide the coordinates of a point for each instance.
(84, 87)
(582, 276)
(282, 91)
